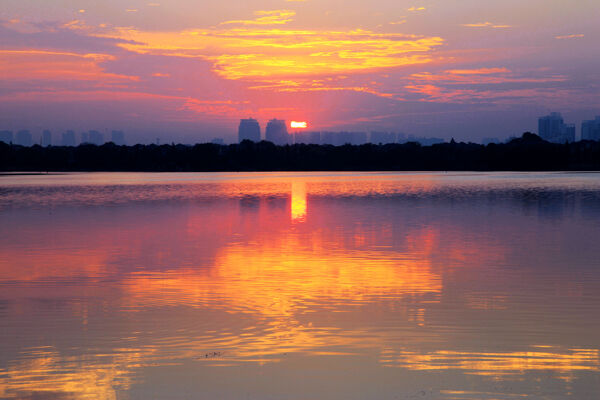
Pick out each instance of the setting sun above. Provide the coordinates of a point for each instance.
(296, 124)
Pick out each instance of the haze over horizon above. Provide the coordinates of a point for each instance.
(184, 71)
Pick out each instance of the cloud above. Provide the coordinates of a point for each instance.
(256, 53)
(480, 71)
(570, 36)
(490, 85)
(70, 37)
(27, 65)
(307, 85)
(273, 17)
(487, 25)
(413, 9)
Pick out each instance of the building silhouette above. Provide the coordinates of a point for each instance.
(553, 129)
(96, 138)
(277, 133)
(68, 138)
(23, 138)
(46, 138)
(118, 138)
(6, 137)
(249, 129)
(590, 130)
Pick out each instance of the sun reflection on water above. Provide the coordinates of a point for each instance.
(290, 269)
(298, 208)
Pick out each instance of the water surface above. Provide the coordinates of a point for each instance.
(300, 286)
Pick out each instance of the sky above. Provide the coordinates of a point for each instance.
(188, 70)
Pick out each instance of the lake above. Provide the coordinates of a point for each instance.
(300, 286)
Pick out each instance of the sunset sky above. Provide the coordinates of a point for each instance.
(188, 70)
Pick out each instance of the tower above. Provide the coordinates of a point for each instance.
(249, 129)
(277, 133)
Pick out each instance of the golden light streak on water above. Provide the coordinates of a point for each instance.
(298, 201)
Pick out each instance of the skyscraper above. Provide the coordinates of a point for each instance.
(553, 129)
(590, 130)
(46, 138)
(118, 138)
(6, 137)
(277, 133)
(23, 138)
(249, 129)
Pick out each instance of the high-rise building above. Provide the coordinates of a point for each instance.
(23, 138)
(85, 138)
(553, 129)
(6, 137)
(46, 138)
(68, 138)
(277, 133)
(590, 130)
(118, 138)
(96, 138)
(249, 129)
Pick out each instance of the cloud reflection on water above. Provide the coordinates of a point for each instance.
(293, 272)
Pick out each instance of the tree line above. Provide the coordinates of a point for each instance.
(527, 153)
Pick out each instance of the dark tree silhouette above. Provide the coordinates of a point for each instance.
(527, 153)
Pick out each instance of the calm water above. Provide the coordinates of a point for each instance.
(300, 286)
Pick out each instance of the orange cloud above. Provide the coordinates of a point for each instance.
(480, 71)
(255, 53)
(486, 25)
(482, 76)
(570, 36)
(56, 65)
(274, 17)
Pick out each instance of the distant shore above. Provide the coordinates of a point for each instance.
(527, 153)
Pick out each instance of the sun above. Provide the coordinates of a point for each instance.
(299, 125)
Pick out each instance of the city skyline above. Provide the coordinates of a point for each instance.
(178, 71)
(551, 127)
